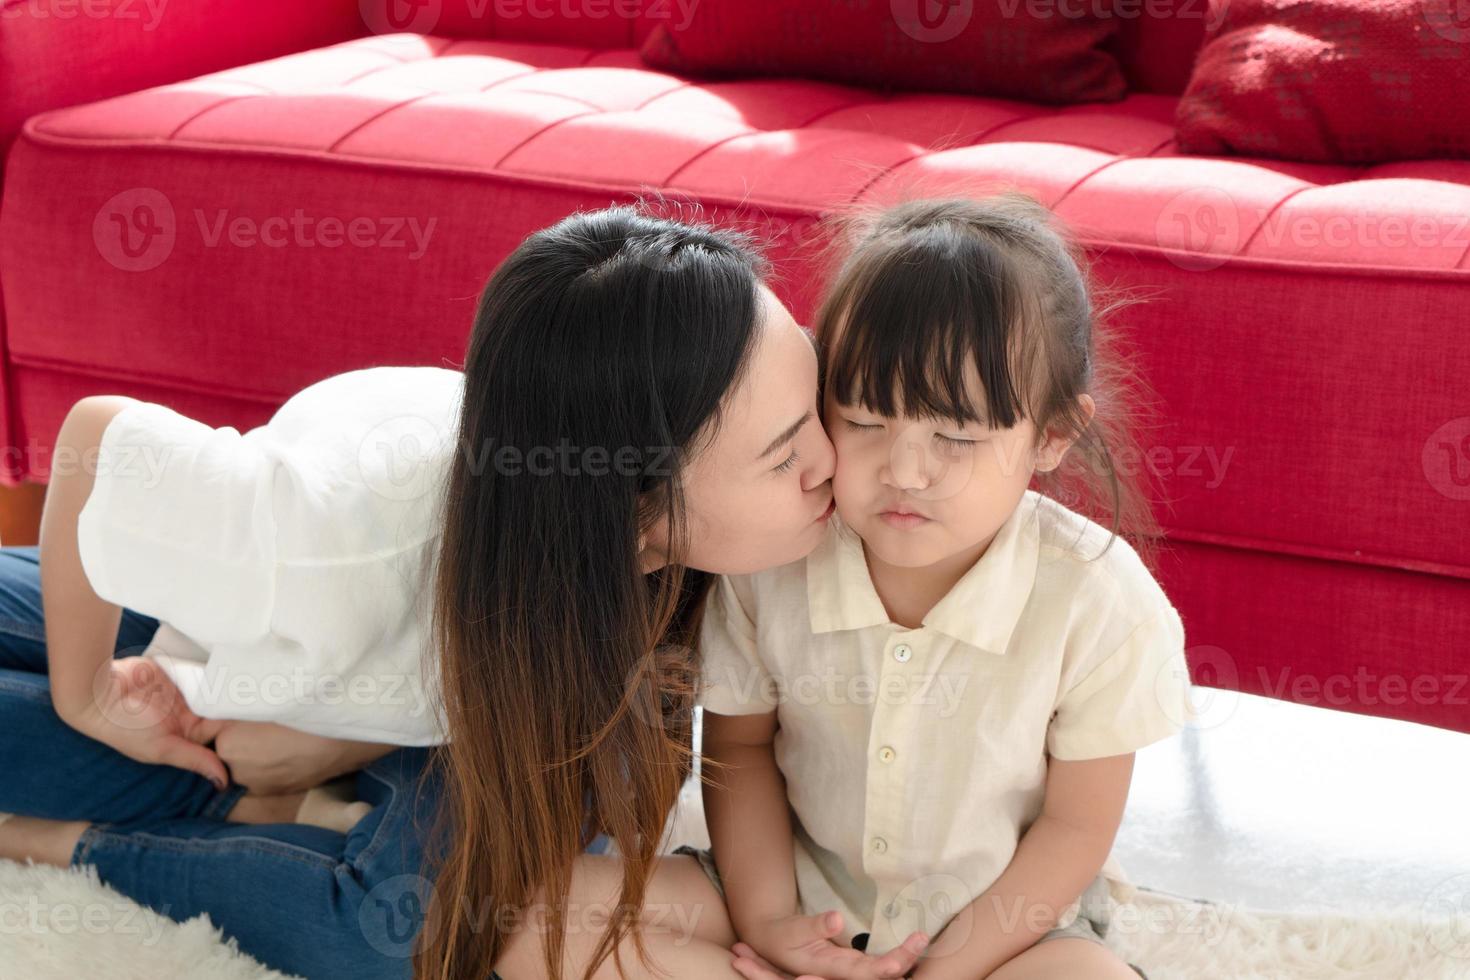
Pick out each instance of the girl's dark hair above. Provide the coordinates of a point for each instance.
(567, 673)
(922, 288)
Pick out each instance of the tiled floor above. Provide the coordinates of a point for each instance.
(1281, 806)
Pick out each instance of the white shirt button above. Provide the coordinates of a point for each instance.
(902, 653)
(886, 753)
(880, 845)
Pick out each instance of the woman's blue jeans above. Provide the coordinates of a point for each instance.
(300, 899)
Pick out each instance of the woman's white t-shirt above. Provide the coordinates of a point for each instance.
(289, 565)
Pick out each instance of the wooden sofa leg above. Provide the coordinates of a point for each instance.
(20, 513)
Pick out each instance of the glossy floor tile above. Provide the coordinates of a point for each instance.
(1282, 806)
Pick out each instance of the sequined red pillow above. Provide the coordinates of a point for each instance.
(1037, 50)
(1331, 81)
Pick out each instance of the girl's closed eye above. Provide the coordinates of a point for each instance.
(790, 461)
(958, 442)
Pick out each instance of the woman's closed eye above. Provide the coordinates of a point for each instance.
(790, 461)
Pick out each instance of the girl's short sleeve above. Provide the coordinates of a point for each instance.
(180, 524)
(1134, 696)
(733, 679)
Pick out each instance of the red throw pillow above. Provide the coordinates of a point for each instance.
(1331, 81)
(1036, 50)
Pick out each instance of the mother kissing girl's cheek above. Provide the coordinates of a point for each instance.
(640, 412)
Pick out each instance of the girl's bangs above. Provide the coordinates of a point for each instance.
(907, 322)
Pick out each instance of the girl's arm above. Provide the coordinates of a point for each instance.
(749, 822)
(750, 830)
(1056, 859)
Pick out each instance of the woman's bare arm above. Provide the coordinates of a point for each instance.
(81, 626)
(268, 758)
(128, 703)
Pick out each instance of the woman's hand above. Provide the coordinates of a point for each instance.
(136, 709)
(751, 965)
(803, 945)
(271, 759)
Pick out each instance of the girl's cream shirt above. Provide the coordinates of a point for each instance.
(915, 759)
(288, 565)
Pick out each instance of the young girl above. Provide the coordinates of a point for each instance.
(927, 726)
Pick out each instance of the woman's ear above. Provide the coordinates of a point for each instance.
(652, 548)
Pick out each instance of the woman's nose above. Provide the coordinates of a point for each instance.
(823, 460)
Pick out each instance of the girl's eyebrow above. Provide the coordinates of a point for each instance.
(786, 435)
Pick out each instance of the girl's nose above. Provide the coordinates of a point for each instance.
(908, 464)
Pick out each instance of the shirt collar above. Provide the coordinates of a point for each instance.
(982, 609)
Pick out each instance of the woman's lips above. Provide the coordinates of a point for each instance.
(902, 521)
(831, 506)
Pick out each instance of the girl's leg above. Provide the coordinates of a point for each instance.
(684, 923)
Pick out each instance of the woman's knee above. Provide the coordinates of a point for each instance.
(680, 904)
(1064, 959)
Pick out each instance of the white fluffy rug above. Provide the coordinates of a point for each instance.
(1180, 939)
(60, 924)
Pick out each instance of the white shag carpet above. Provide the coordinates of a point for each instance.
(59, 924)
(1175, 938)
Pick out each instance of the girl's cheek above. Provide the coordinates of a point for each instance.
(849, 456)
(842, 466)
(857, 467)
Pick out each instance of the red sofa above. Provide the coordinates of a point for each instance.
(1305, 331)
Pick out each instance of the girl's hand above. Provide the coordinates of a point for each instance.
(136, 709)
(803, 945)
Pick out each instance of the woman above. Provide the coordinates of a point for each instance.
(636, 403)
